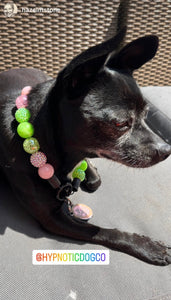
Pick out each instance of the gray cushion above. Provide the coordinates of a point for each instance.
(129, 199)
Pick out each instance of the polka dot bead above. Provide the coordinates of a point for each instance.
(21, 101)
(78, 173)
(25, 130)
(38, 159)
(26, 90)
(46, 172)
(31, 145)
(22, 115)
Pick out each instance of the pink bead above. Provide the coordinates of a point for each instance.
(38, 159)
(21, 101)
(26, 90)
(46, 172)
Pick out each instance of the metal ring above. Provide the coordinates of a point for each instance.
(66, 190)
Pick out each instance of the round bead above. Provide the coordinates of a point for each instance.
(31, 145)
(21, 101)
(22, 115)
(83, 165)
(25, 130)
(26, 90)
(46, 172)
(38, 159)
(78, 173)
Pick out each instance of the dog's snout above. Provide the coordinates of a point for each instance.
(163, 150)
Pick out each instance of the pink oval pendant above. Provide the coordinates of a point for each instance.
(82, 211)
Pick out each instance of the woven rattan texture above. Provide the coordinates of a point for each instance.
(49, 40)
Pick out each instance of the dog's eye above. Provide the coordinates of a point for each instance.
(123, 125)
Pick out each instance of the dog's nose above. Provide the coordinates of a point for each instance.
(164, 150)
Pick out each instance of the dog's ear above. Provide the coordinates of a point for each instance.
(134, 54)
(81, 71)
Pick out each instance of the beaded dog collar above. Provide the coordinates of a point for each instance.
(39, 160)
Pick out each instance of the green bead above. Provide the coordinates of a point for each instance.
(22, 115)
(31, 145)
(25, 130)
(78, 173)
(83, 165)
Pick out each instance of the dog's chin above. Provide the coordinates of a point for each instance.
(129, 162)
(106, 154)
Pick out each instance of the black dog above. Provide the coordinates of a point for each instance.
(93, 109)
